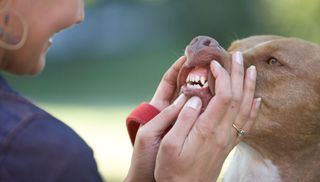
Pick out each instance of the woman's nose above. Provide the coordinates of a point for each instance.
(80, 14)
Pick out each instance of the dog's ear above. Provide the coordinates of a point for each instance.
(249, 42)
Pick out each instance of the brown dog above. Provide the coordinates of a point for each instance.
(284, 144)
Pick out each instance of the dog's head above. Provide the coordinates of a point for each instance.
(288, 82)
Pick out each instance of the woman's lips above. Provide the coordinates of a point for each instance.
(51, 40)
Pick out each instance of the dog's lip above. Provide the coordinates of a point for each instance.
(195, 92)
(203, 93)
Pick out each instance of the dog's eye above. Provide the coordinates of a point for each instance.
(273, 61)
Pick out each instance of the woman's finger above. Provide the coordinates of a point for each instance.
(219, 104)
(167, 85)
(237, 77)
(159, 124)
(252, 118)
(253, 114)
(184, 123)
(246, 105)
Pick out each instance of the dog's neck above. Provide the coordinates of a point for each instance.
(249, 164)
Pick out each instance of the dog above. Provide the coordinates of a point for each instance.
(284, 143)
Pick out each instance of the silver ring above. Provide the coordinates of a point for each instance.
(240, 132)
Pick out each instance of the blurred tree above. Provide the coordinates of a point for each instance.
(137, 40)
(296, 18)
(93, 2)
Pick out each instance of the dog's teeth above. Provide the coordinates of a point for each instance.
(194, 78)
(197, 79)
(202, 80)
(191, 78)
(188, 78)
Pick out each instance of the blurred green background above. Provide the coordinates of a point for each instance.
(97, 72)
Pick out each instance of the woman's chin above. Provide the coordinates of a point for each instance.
(32, 70)
(38, 68)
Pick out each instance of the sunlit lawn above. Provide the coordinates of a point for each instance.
(103, 128)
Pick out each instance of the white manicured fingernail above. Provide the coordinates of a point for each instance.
(252, 72)
(216, 66)
(258, 102)
(237, 56)
(194, 103)
(180, 100)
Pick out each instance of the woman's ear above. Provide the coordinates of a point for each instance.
(13, 28)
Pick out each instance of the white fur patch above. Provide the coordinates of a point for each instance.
(247, 165)
(257, 46)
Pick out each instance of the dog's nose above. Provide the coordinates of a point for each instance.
(203, 49)
(201, 42)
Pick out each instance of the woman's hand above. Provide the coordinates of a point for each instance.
(168, 86)
(149, 135)
(197, 145)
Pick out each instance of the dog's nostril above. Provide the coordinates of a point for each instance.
(206, 42)
(202, 43)
(194, 41)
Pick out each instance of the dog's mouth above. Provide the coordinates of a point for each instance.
(195, 77)
(197, 81)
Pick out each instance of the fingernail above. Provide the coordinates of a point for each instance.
(237, 56)
(194, 103)
(258, 102)
(252, 72)
(217, 66)
(180, 100)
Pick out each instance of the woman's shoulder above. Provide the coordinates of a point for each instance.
(23, 122)
(20, 117)
(41, 147)
(31, 136)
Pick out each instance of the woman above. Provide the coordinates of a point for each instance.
(35, 146)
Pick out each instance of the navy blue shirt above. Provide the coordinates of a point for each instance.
(35, 146)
